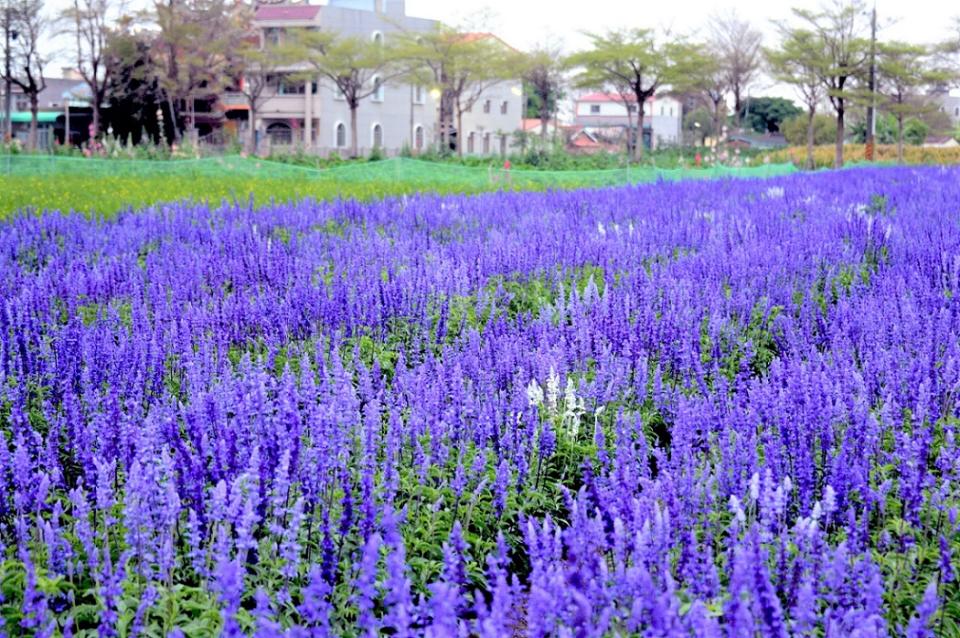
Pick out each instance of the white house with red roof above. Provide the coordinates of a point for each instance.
(312, 116)
(609, 115)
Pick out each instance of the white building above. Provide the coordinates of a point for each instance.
(606, 113)
(397, 116)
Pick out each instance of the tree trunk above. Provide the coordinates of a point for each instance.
(174, 127)
(716, 119)
(838, 158)
(252, 130)
(544, 121)
(811, 113)
(638, 143)
(737, 104)
(900, 138)
(95, 125)
(34, 107)
(354, 146)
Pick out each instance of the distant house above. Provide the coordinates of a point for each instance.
(765, 142)
(314, 116)
(532, 126)
(940, 141)
(603, 113)
(581, 142)
(948, 104)
(61, 98)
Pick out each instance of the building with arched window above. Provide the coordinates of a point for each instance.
(392, 114)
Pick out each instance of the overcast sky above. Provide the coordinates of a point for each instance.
(525, 23)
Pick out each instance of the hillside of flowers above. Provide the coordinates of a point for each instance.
(721, 408)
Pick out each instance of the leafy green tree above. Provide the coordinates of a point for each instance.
(766, 114)
(888, 131)
(255, 65)
(699, 124)
(840, 54)
(702, 76)
(485, 61)
(196, 44)
(357, 67)
(461, 66)
(797, 130)
(543, 83)
(133, 92)
(904, 70)
(796, 62)
(632, 64)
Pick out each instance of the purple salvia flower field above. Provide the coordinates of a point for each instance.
(720, 408)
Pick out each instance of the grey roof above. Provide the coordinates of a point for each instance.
(60, 89)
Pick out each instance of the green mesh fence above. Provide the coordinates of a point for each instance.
(404, 170)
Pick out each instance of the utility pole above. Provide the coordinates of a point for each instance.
(872, 109)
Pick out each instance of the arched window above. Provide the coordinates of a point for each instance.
(486, 143)
(470, 142)
(503, 145)
(377, 38)
(418, 137)
(280, 133)
(340, 135)
(376, 135)
(377, 88)
(418, 94)
(504, 106)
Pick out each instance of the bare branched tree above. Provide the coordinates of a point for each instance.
(27, 62)
(90, 22)
(737, 45)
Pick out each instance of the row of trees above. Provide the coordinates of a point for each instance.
(831, 54)
(193, 50)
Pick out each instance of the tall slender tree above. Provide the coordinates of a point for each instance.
(796, 62)
(485, 61)
(543, 76)
(255, 66)
(703, 77)
(91, 22)
(197, 43)
(904, 70)
(841, 54)
(634, 65)
(27, 60)
(737, 45)
(461, 65)
(357, 67)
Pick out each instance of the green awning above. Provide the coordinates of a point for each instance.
(23, 117)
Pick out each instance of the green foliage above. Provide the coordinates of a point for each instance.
(766, 114)
(632, 63)
(824, 129)
(914, 130)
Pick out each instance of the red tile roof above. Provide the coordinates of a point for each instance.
(287, 12)
(606, 97)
